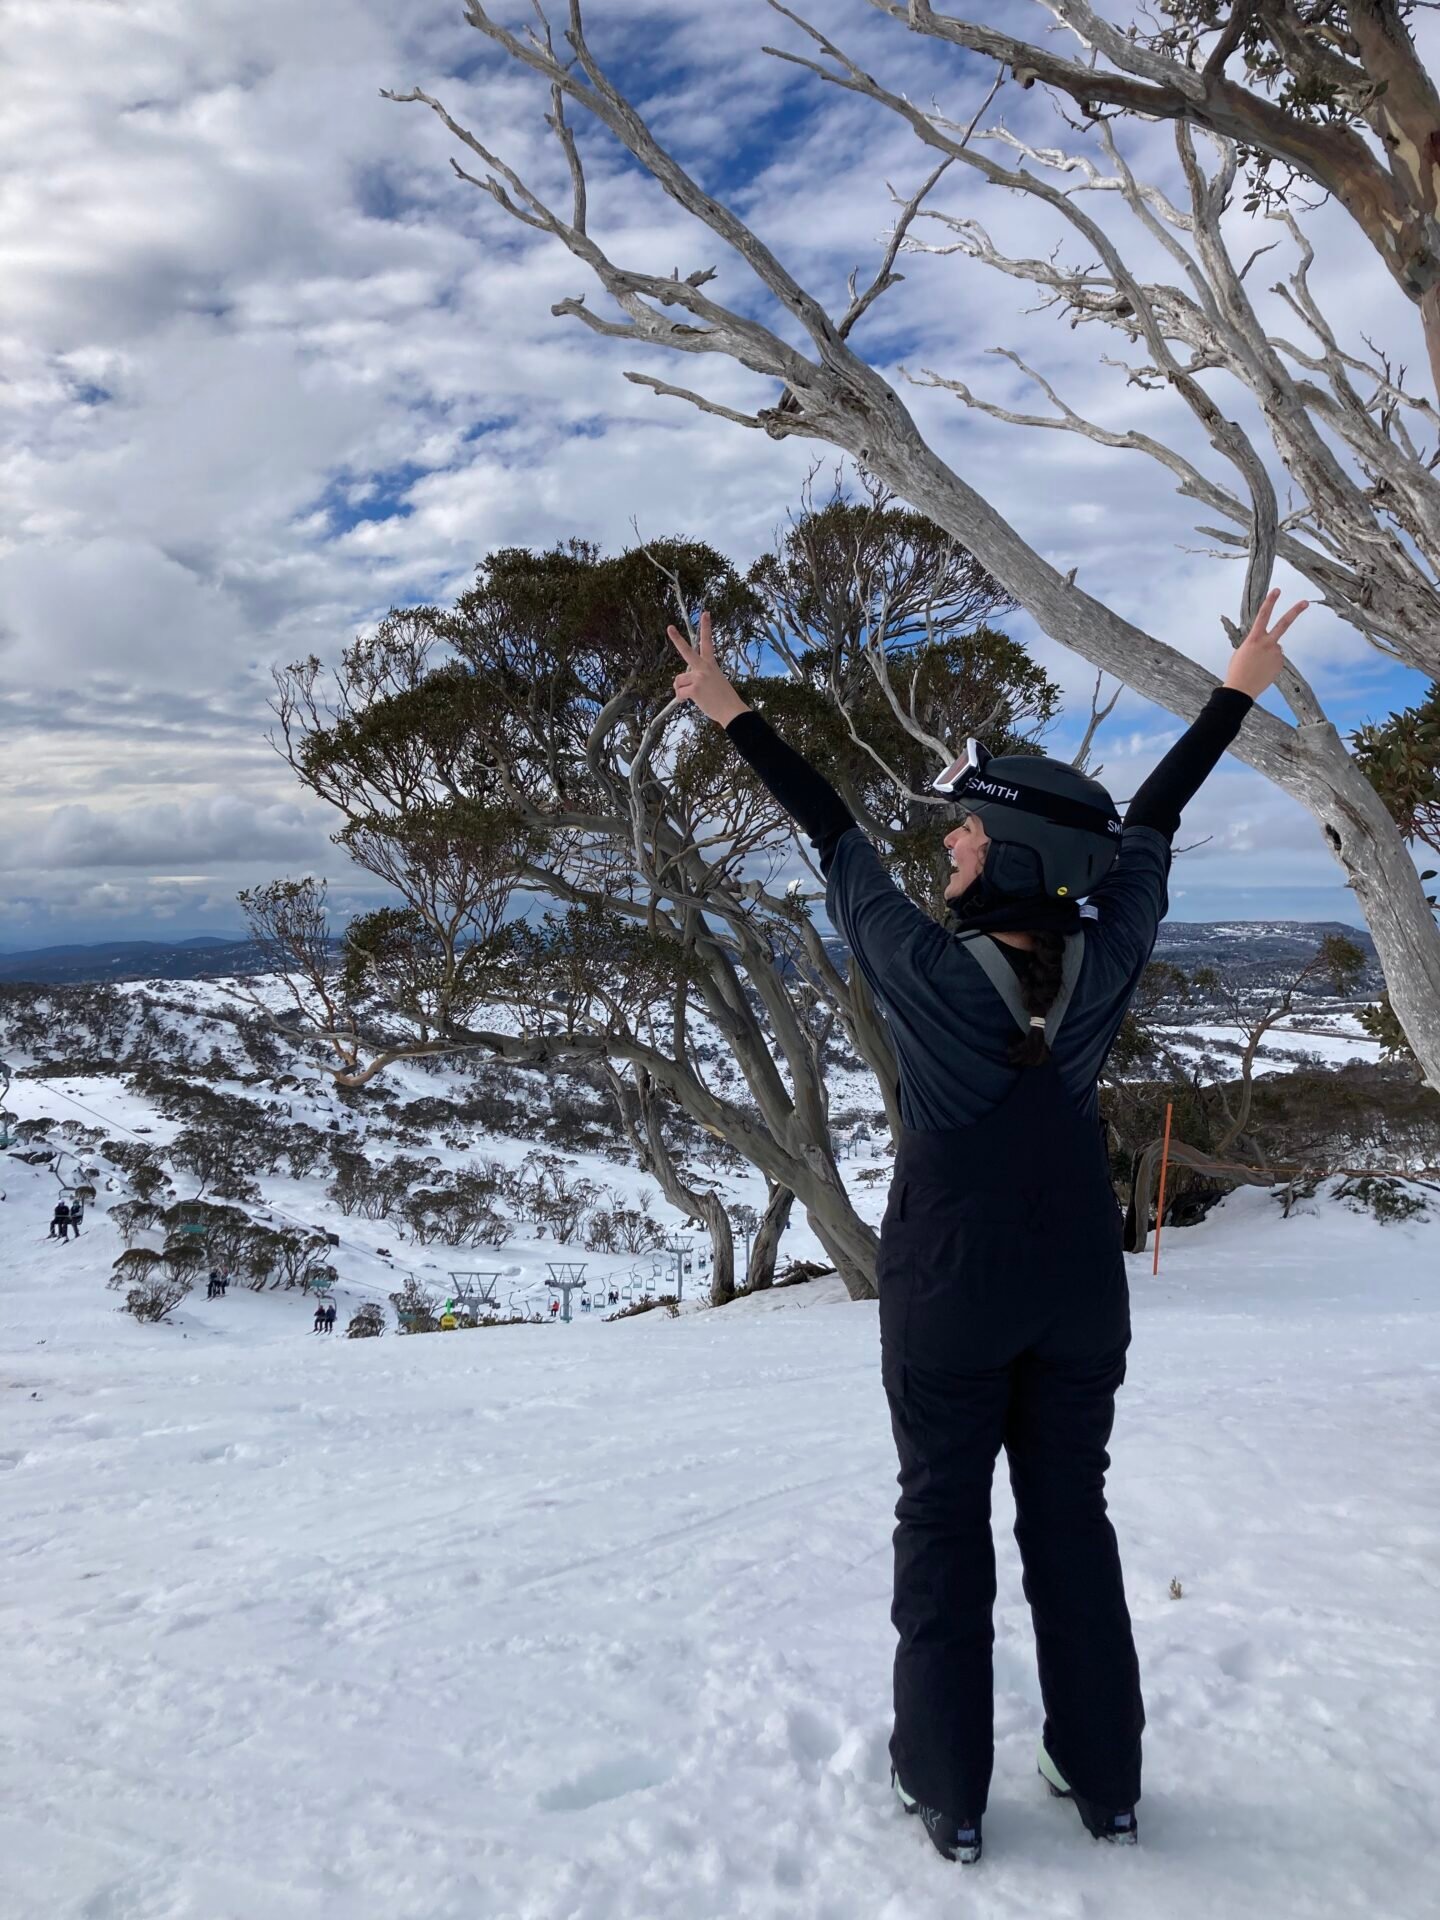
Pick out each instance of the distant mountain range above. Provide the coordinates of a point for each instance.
(1259, 953)
(191, 959)
(1250, 952)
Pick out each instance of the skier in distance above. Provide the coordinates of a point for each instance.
(1004, 1306)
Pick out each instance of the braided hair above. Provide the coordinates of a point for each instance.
(1040, 973)
(1039, 979)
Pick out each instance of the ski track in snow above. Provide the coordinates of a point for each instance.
(591, 1623)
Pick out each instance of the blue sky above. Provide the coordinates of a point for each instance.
(268, 368)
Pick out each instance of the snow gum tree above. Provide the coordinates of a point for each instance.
(1329, 92)
(1333, 94)
(526, 741)
(1336, 960)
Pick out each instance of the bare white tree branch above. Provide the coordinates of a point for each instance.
(840, 399)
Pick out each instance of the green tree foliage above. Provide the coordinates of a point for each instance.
(527, 741)
(1401, 758)
(1303, 54)
(1381, 1024)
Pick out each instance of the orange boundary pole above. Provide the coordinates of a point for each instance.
(1164, 1163)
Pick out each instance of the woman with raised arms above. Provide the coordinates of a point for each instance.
(1004, 1309)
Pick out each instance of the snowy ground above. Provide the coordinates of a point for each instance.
(373, 1256)
(591, 1623)
(1336, 1042)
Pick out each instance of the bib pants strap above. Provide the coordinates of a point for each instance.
(1001, 976)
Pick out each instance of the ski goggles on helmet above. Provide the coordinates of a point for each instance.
(1052, 830)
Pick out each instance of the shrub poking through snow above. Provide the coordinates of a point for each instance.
(666, 1300)
(416, 1308)
(136, 1263)
(367, 1322)
(134, 1217)
(1388, 1197)
(1390, 1200)
(156, 1286)
(158, 1297)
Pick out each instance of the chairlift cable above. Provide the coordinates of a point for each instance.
(120, 1127)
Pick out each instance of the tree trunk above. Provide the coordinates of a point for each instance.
(1241, 1120)
(642, 1122)
(849, 1242)
(722, 1249)
(871, 1039)
(1147, 1170)
(1308, 761)
(1430, 321)
(765, 1248)
(1385, 881)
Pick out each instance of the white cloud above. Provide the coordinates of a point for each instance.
(167, 836)
(246, 299)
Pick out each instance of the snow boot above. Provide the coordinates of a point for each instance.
(951, 1839)
(1116, 1825)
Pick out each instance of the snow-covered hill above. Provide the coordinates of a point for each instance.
(591, 1622)
(1295, 1041)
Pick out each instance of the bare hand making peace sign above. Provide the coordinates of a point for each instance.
(702, 680)
(1257, 661)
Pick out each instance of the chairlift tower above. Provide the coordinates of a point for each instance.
(476, 1287)
(749, 1233)
(684, 1249)
(566, 1276)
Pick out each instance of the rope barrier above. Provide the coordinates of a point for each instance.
(1424, 1176)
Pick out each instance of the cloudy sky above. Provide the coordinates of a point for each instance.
(267, 368)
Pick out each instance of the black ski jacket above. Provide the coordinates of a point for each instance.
(951, 1031)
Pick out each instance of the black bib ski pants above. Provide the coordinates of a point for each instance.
(1004, 1321)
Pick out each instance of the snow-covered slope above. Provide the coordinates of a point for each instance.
(590, 1623)
(1288, 1044)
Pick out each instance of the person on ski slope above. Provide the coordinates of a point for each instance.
(1004, 1308)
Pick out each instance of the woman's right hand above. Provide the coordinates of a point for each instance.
(702, 680)
(1256, 662)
